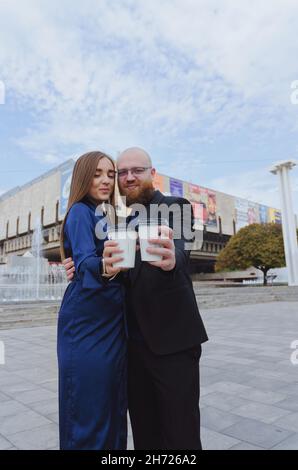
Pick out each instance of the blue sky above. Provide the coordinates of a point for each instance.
(203, 85)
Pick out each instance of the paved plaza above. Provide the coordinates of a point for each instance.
(249, 393)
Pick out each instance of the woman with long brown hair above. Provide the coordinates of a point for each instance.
(91, 334)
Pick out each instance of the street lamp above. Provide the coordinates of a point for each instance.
(288, 219)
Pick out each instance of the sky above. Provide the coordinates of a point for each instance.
(203, 85)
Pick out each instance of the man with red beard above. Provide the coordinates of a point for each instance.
(165, 329)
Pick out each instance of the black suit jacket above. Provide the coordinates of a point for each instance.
(164, 303)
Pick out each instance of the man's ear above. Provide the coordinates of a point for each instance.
(153, 172)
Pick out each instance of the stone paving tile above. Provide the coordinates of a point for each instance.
(222, 401)
(9, 379)
(31, 396)
(265, 413)
(23, 421)
(261, 396)
(289, 422)
(217, 420)
(207, 371)
(50, 385)
(271, 374)
(257, 433)
(11, 407)
(245, 446)
(54, 417)
(41, 438)
(209, 380)
(289, 403)
(265, 383)
(291, 443)
(13, 389)
(45, 407)
(4, 397)
(212, 440)
(4, 443)
(228, 387)
(233, 376)
(290, 389)
(36, 374)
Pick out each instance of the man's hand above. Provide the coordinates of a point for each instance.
(165, 248)
(111, 248)
(69, 267)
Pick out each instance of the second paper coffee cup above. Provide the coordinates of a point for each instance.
(148, 229)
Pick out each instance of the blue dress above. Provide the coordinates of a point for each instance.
(91, 344)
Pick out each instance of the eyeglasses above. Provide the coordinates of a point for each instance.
(135, 171)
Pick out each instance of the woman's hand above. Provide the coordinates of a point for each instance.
(69, 268)
(111, 249)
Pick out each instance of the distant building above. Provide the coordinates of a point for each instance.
(45, 198)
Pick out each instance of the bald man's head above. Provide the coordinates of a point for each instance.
(135, 175)
(135, 154)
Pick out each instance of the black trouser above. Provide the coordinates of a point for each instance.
(163, 398)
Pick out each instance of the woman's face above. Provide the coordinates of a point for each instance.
(104, 181)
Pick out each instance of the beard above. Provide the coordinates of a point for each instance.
(140, 195)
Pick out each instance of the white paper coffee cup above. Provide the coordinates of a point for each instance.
(126, 240)
(149, 229)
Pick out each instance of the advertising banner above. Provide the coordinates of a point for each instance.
(176, 187)
(263, 214)
(208, 206)
(159, 182)
(241, 206)
(65, 181)
(252, 213)
(274, 216)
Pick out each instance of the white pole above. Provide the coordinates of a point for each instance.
(285, 227)
(292, 227)
(288, 220)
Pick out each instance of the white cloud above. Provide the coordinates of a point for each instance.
(169, 74)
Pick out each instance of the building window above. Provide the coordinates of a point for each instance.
(18, 226)
(29, 221)
(234, 227)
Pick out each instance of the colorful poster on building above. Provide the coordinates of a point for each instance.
(274, 216)
(278, 218)
(194, 189)
(197, 211)
(65, 182)
(252, 213)
(263, 214)
(176, 187)
(159, 182)
(241, 206)
(194, 192)
(211, 209)
(208, 206)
